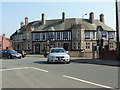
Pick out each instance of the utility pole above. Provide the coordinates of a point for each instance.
(117, 30)
(2, 42)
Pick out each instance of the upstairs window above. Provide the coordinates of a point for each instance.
(94, 35)
(65, 35)
(43, 36)
(58, 35)
(87, 35)
(111, 35)
(29, 35)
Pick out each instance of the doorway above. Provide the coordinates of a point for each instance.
(66, 46)
(37, 48)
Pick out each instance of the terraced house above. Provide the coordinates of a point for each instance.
(73, 34)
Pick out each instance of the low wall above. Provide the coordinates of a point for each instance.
(107, 54)
(81, 54)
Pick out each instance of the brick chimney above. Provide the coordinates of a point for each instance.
(43, 19)
(63, 17)
(26, 20)
(21, 24)
(91, 17)
(102, 18)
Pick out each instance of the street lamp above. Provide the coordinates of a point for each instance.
(117, 29)
(81, 27)
(53, 43)
(2, 42)
(83, 17)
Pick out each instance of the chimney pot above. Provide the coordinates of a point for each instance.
(26, 20)
(63, 17)
(102, 18)
(91, 17)
(43, 18)
(21, 24)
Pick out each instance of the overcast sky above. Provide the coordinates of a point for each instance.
(14, 12)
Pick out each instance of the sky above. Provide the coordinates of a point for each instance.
(13, 13)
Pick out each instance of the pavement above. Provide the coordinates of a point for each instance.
(85, 60)
(98, 62)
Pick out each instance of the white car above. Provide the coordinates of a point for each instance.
(58, 55)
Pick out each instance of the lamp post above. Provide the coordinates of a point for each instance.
(53, 43)
(2, 42)
(83, 17)
(82, 46)
(81, 28)
(117, 30)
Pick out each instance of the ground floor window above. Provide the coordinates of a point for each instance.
(87, 45)
(59, 45)
(111, 45)
(74, 46)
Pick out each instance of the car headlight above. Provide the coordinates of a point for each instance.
(13, 54)
(52, 56)
(66, 56)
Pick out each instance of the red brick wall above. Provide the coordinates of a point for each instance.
(6, 43)
(108, 54)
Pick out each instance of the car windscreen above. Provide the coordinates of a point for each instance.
(12, 51)
(57, 51)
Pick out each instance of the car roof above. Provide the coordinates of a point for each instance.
(57, 48)
(7, 49)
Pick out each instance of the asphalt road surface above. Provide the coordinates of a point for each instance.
(35, 72)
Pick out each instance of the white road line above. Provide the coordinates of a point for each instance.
(13, 69)
(39, 69)
(23, 68)
(81, 80)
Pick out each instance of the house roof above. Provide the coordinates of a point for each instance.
(56, 24)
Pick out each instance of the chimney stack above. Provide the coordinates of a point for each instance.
(43, 18)
(102, 18)
(91, 17)
(21, 24)
(26, 20)
(63, 17)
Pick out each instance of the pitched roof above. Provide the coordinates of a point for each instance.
(56, 24)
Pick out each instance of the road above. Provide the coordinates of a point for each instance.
(35, 72)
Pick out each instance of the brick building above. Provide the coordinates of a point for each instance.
(5, 42)
(73, 34)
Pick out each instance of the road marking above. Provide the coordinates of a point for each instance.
(13, 69)
(81, 80)
(23, 68)
(39, 69)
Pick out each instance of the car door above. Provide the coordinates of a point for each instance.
(4, 53)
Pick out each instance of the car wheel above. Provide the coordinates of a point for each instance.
(68, 62)
(19, 58)
(48, 61)
(10, 57)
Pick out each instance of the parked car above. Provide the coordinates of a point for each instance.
(22, 52)
(10, 53)
(58, 55)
